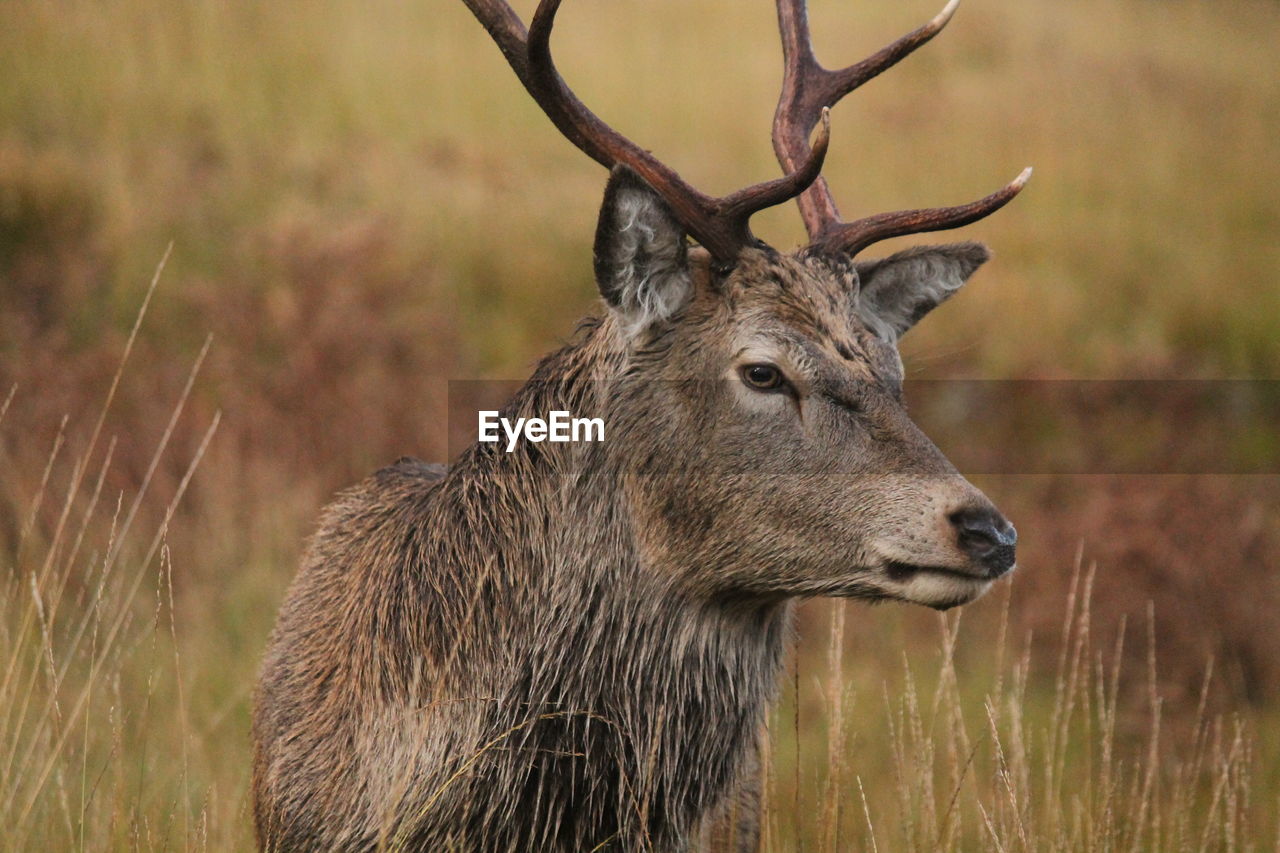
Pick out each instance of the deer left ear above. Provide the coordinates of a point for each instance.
(895, 292)
(641, 255)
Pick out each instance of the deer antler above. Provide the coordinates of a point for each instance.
(808, 91)
(719, 224)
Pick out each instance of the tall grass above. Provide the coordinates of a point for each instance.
(94, 732)
(1013, 754)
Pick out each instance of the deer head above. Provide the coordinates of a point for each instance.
(757, 410)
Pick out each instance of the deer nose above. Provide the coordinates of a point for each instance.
(987, 537)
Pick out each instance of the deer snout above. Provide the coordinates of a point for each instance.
(987, 537)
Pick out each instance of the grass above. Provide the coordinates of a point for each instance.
(363, 204)
(1012, 754)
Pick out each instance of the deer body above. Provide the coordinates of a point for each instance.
(573, 646)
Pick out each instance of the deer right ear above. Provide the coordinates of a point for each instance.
(641, 255)
(896, 291)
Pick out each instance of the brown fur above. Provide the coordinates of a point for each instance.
(573, 646)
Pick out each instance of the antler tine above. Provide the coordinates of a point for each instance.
(807, 88)
(719, 224)
(753, 199)
(847, 79)
(852, 237)
(797, 104)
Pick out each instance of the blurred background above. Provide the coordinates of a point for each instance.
(362, 204)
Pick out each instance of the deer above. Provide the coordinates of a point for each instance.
(574, 646)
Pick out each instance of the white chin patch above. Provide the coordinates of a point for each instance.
(941, 590)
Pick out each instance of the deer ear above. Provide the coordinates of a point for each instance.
(641, 256)
(895, 292)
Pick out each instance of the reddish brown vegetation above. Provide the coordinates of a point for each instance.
(1201, 549)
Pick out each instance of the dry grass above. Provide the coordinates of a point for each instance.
(1009, 752)
(363, 205)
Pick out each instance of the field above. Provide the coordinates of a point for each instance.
(244, 248)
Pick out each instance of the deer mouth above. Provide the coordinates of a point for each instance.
(898, 571)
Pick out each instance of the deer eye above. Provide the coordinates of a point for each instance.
(763, 377)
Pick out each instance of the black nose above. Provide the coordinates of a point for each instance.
(987, 537)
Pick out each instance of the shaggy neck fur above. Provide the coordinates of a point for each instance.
(624, 706)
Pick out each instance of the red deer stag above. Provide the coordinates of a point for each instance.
(572, 646)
